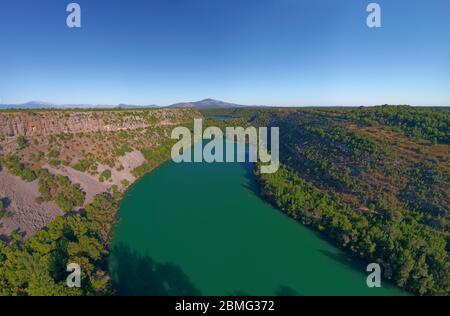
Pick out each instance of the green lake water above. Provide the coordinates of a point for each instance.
(200, 229)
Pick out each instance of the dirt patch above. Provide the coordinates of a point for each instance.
(27, 215)
(129, 162)
(89, 183)
(92, 185)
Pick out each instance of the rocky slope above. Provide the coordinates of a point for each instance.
(30, 123)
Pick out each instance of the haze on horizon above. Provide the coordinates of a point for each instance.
(271, 52)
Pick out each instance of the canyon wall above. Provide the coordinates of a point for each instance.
(13, 124)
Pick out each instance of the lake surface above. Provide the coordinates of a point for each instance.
(200, 229)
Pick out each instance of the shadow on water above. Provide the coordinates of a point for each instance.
(286, 291)
(135, 274)
(344, 259)
(238, 293)
(252, 184)
(283, 290)
(354, 263)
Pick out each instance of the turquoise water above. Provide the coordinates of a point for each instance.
(200, 229)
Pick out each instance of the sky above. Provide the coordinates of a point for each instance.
(256, 52)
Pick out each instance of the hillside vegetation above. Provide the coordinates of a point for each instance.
(374, 180)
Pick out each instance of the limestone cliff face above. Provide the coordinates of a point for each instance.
(28, 125)
(54, 122)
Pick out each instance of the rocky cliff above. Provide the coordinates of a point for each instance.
(54, 122)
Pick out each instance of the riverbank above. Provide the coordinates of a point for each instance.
(203, 231)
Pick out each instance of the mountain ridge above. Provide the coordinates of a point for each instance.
(31, 105)
(202, 104)
(207, 104)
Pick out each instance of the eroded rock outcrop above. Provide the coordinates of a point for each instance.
(54, 122)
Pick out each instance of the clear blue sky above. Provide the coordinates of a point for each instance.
(272, 52)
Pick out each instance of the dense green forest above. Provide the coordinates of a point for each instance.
(38, 265)
(414, 256)
(374, 180)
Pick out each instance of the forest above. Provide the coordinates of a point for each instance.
(38, 266)
(375, 181)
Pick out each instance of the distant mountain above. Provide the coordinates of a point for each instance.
(203, 104)
(29, 105)
(207, 104)
(131, 106)
(47, 105)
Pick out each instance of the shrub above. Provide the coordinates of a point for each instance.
(123, 150)
(53, 154)
(82, 165)
(54, 162)
(105, 175)
(22, 142)
(16, 168)
(59, 189)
